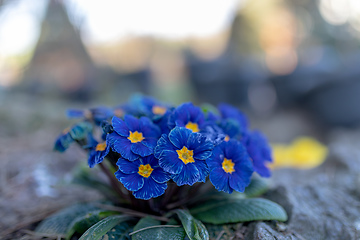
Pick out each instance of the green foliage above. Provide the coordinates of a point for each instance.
(83, 223)
(60, 222)
(102, 227)
(239, 210)
(194, 229)
(150, 229)
(257, 187)
(119, 232)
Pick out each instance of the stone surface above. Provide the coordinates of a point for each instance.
(322, 203)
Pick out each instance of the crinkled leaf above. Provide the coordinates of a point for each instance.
(83, 223)
(100, 229)
(194, 229)
(239, 210)
(119, 232)
(256, 187)
(150, 229)
(60, 222)
(80, 130)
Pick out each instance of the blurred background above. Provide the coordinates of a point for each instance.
(292, 66)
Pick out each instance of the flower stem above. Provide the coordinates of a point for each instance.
(113, 181)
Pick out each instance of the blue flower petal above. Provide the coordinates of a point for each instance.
(179, 136)
(220, 179)
(262, 170)
(238, 181)
(150, 142)
(203, 170)
(170, 162)
(201, 146)
(122, 145)
(163, 144)
(151, 189)
(132, 182)
(159, 175)
(195, 113)
(141, 149)
(189, 175)
(150, 160)
(148, 128)
(120, 127)
(132, 123)
(92, 159)
(215, 160)
(127, 166)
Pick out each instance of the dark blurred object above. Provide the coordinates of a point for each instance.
(227, 77)
(60, 63)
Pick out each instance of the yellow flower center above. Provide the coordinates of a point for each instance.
(186, 155)
(192, 126)
(101, 146)
(135, 137)
(145, 170)
(158, 110)
(227, 138)
(228, 166)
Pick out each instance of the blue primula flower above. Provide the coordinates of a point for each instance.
(187, 115)
(230, 112)
(149, 106)
(182, 154)
(98, 151)
(97, 114)
(143, 176)
(63, 141)
(74, 133)
(259, 151)
(230, 167)
(133, 137)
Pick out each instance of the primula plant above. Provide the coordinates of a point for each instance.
(173, 172)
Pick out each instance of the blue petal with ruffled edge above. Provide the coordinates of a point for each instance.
(220, 180)
(179, 137)
(189, 175)
(163, 144)
(132, 182)
(259, 151)
(144, 187)
(240, 177)
(127, 167)
(201, 146)
(122, 145)
(169, 160)
(186, 113)
(151, 189)
(120, 127)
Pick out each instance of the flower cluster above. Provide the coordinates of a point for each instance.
(155, 143)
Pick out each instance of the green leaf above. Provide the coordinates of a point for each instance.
(119, 232)
(150, 229)
(60, 222)
(257, 187)
(83, 223)
(194, 229)
(98, 230)
(239, 210)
